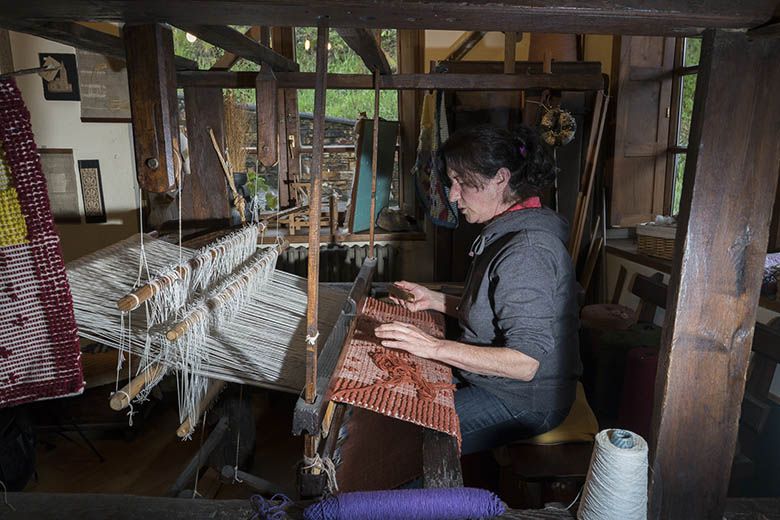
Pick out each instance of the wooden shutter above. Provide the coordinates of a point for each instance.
(642, 118)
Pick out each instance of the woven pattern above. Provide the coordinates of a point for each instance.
(39, 348)
(391, 382)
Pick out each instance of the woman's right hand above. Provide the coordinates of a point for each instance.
(423, 298)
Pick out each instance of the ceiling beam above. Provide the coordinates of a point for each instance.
(572, 81)
(229, 59)
(462, 46)
(661, 17)
(81, 37)
(363, 42)
(241, 45)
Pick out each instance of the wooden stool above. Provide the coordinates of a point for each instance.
(560, 454)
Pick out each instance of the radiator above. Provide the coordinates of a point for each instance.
(342, 263)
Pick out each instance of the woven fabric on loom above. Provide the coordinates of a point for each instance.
(39, 346)
(392, 382)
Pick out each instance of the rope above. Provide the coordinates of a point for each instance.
(5, 497)
(326, 466)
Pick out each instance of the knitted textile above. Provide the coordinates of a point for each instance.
(392, 382)
(39, 345)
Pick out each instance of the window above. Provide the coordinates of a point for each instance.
(684, 76)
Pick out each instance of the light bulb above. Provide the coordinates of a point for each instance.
(329, 46)
(191, 38)
(307, 44)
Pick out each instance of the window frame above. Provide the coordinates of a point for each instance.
(673, 149)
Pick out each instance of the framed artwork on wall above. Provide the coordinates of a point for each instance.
(64, 84)
(105, 96)
(92, 192)
(60, 172)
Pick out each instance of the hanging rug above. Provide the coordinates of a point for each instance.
(39, 346)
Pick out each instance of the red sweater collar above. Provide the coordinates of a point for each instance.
(529, 203)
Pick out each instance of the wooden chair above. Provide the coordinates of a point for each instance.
(612, 316)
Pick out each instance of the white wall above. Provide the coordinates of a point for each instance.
(57, 124)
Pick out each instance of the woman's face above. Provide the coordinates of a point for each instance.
(478, 203)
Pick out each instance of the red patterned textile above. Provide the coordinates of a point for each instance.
(39, 346)
(392, 382)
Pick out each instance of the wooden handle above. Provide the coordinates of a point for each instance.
(215, 387)
(121, 399)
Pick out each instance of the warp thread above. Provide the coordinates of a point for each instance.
(616, 486)
(408, 504)
(270, 509)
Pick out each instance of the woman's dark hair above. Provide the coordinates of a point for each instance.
(477, 153)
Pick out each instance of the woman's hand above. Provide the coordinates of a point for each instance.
(422, 298)
(409, 338)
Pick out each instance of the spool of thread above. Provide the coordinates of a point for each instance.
(616, 486)
(408, 504)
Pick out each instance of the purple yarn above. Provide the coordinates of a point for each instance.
(408, 504)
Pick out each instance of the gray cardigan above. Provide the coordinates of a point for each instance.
(521, 293)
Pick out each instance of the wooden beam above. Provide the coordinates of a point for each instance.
(152, 84)
(662, 17)
(464, 44)
(229, 59)
(267, 119)
(411, 59)
(728, 190)
(204, 192)
(510, 49)
(305, 80)
(363, 42)
(239, 44)
(81, 37)
(289, 169)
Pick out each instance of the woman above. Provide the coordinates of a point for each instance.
(517, 357)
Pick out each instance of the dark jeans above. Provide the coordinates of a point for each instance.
(486, 422)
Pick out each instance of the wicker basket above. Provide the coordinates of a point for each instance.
(656, 240)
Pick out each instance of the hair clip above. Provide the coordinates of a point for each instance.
(523, 151)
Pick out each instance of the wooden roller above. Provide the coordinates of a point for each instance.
(134, 299)
(215, 387)
(180, 328)
(121, 399)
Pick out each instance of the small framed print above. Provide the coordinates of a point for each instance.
(92, 192)
(64, 85)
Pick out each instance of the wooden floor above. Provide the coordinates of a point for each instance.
(148, 463)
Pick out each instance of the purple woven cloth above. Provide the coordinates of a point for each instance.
(408, 504)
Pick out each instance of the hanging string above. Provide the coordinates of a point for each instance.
(238, 435)
(5, 497)
(200, 451)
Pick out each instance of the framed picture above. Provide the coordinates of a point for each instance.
(59, 168)
(105, 96)
(92, 192)
(64, 84)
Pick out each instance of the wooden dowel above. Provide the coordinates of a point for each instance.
(215, 388)
(134, 299)
(121, 399)
(334, 216)
(374, 162)
(229, 292)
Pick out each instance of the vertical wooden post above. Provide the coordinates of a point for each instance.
(151, 77)
(266, 102)
(728, 191)
(289, 168)
(411, 48)
(315, 209)
(374, 160)
(206, 196)
(510, 47)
